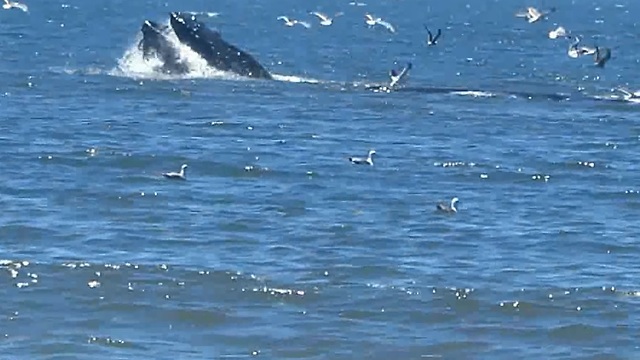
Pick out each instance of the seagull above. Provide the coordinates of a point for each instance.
(291, 22)
(177, 175)
(602, 55)
(371, 21)
(575, 51)
(363, 161)
(432, 40)
(396, 77)
(324, 19)
(532, 14)
(559, 32)
(448, 208)
(14, 4)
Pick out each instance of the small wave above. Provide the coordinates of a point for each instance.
(294, 79)
(474, 93)
(205, 13)
(617, 98)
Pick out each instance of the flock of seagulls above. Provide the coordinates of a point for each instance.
(325, 20)
(531, 14)
(601, 55)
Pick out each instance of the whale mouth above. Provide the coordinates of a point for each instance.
(167, 41)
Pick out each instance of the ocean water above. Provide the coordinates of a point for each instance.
(276, 246)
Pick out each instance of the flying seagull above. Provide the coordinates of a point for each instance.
(372, 21)
(432, 40)
(532, 14)
(291, 22)
(14, 4)
(324, 19)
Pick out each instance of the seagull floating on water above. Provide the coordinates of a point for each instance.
(432, 40)
(363, 161)
(291, 22)
(324, 19)
(177, 175)
(532, 14)
(371, 21)
(451, 208)
(559, 32)
(14, 4)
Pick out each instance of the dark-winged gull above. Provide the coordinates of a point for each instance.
(432, 40)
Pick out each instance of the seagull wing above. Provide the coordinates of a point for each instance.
(21, 6)
(303, 23)
(437, 35)
(522, 14)
(284, 18)
(428, 31)
(367, 16)
(387, 25)
(320, 15)
(533, 12)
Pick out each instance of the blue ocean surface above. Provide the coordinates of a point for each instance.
(276, 246)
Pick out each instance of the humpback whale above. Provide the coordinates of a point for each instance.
(155, 43)
(205, 42)
(217, 52)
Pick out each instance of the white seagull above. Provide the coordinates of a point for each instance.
(177, 175)
(532, 14)
(324, 19)
(451, 208)
(372, 21)
(291, 22)
(575, 51)
(14, 4)
(559, 32)
(397, 76)
(363, 161)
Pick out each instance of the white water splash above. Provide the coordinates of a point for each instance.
(474, 93)
(133, 65)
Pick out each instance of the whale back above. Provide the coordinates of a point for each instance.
(214, 49)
